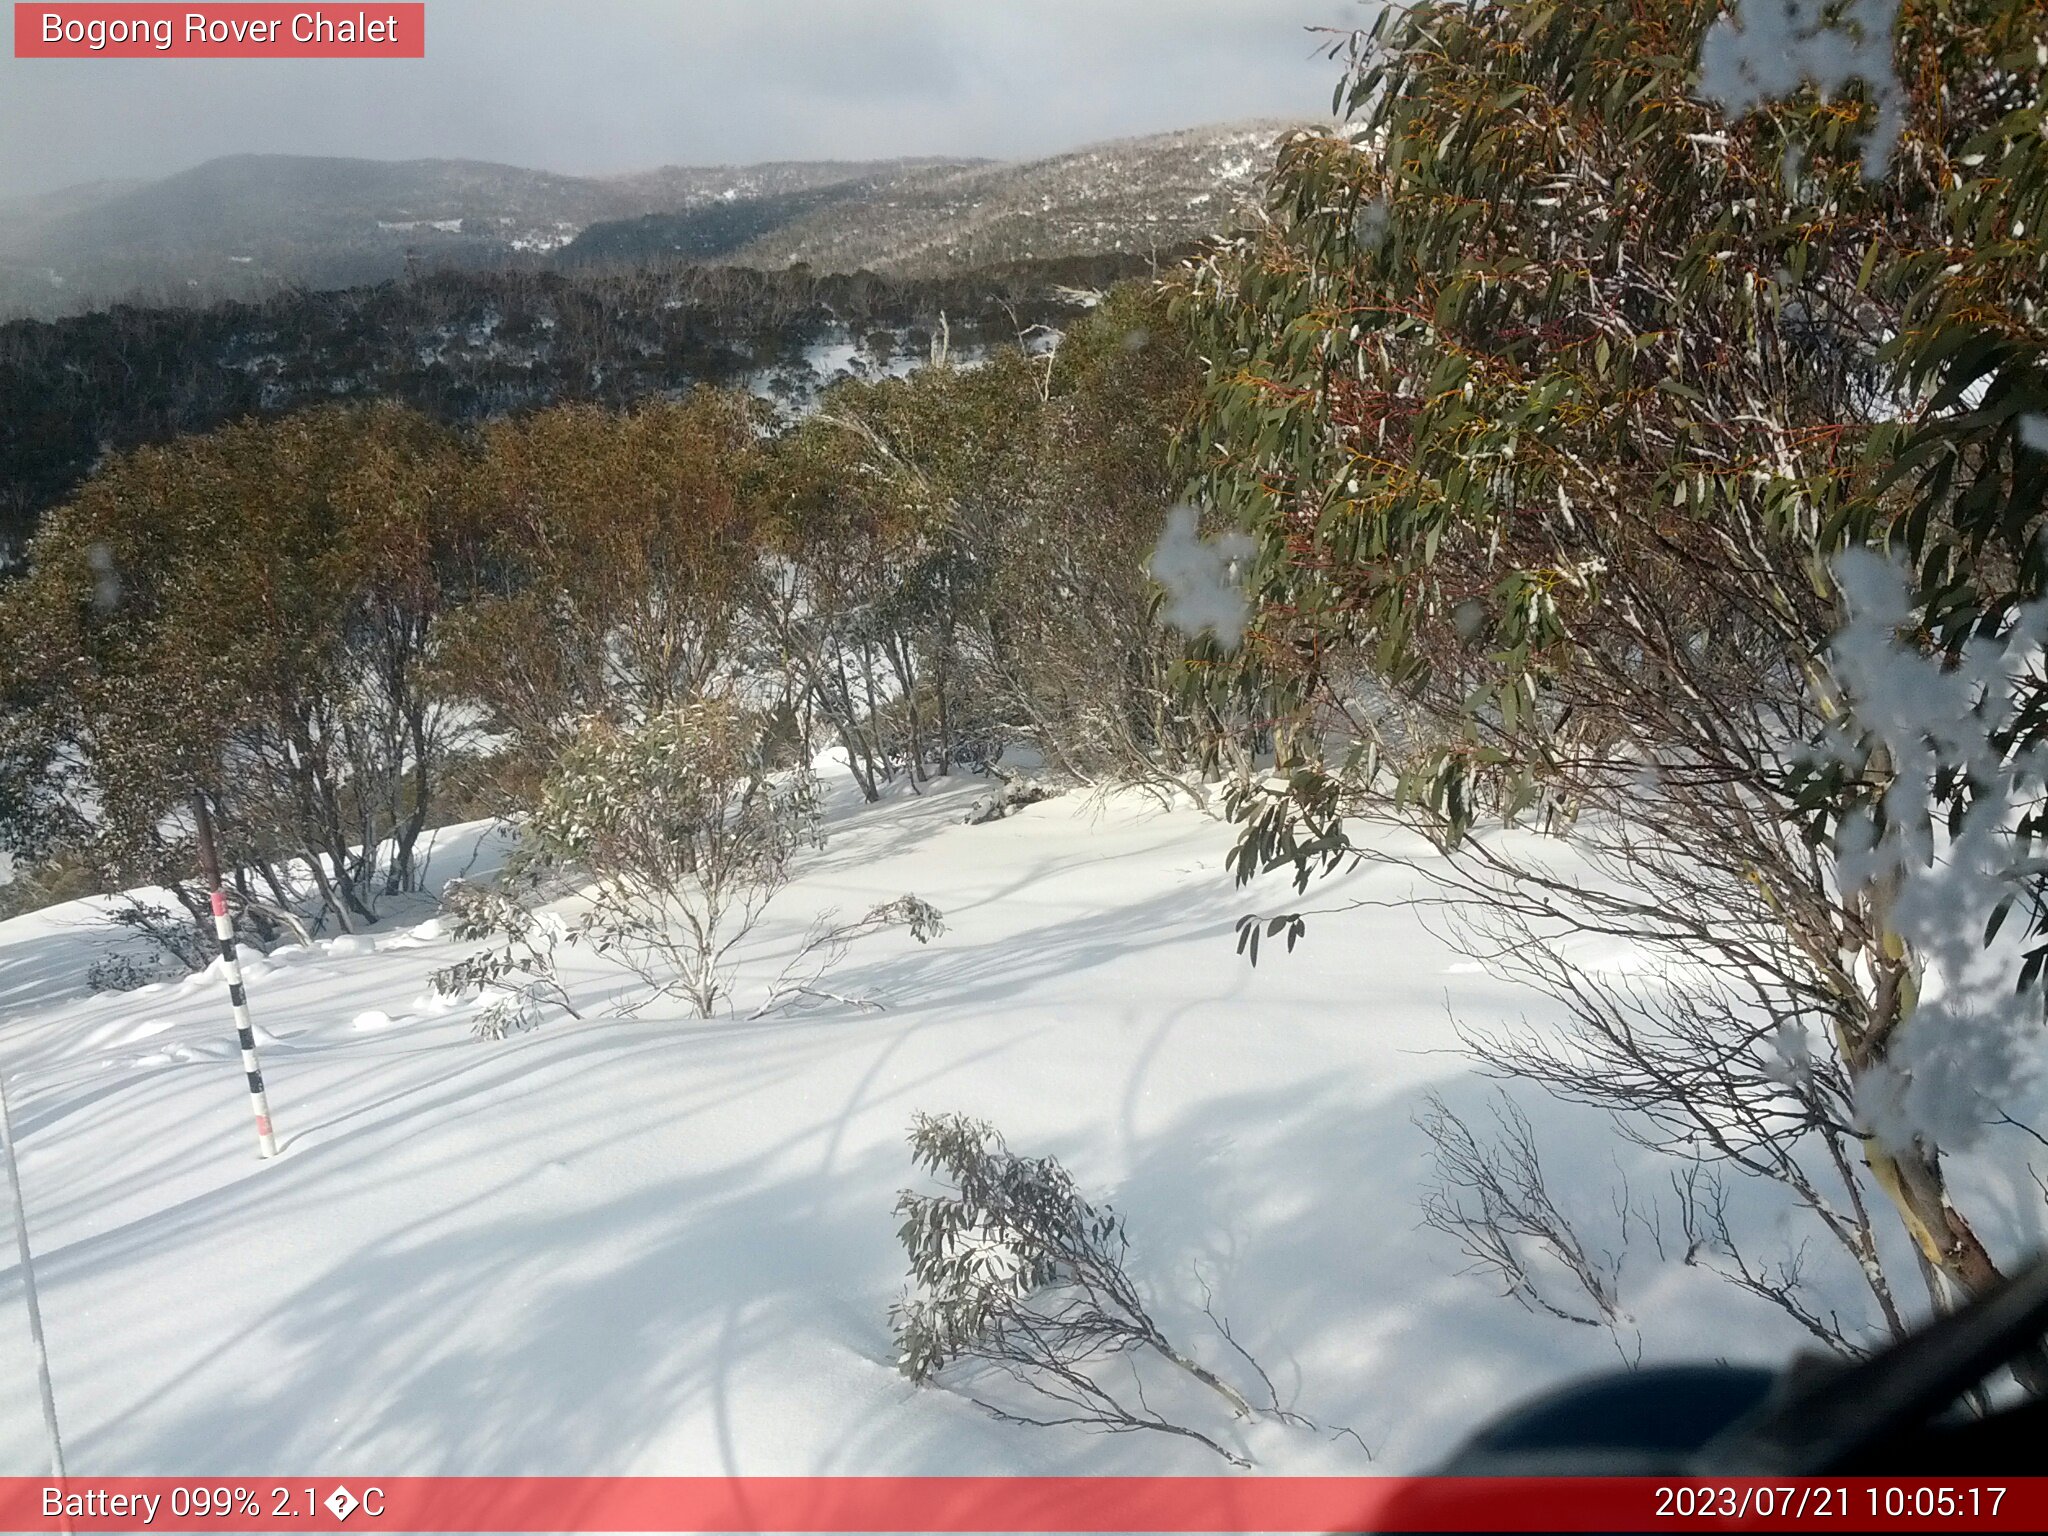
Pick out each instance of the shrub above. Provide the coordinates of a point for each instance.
(518, 968)
(1014, 1269)
(687, 837)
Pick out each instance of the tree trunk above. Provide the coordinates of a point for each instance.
(1911, 1178)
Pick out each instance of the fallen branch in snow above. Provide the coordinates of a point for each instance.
(1272, 1408)
(1014, 797)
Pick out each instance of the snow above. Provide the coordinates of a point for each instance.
(1973, 1041)
(654, 1245)
(546, 240)
(1765, 50)
(835, 356)
(1203, 578)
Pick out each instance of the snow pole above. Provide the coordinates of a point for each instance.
(231, 968)
(28, 1285)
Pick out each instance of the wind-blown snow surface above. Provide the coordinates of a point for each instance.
(664, 1246)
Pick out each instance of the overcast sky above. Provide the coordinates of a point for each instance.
(613, 85)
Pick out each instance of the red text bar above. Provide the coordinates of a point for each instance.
(1049, 1504)
(239, 31)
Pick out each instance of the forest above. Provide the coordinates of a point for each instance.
(347, 622)
(464, 347)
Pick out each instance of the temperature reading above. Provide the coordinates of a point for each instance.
(286, 1502)
(235, 1503)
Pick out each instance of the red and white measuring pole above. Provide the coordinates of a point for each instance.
(238, 998)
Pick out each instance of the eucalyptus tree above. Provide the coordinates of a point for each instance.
(1551, 391)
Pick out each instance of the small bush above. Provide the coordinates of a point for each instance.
(167, 945)
(1011, 1268)
(687, 835)
(518, 970)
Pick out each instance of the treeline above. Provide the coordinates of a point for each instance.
(462, 347)
(348, 624)
(703, 233)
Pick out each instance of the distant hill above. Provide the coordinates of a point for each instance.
(1129, 195)
(21, 214)
(682, 187)
(711, 225)
(249, 226)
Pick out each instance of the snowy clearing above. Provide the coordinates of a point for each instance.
(653, 1245)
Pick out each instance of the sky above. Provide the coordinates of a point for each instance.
(596, 86)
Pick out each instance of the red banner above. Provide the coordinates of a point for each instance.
(238, 31)
(1050, 1504)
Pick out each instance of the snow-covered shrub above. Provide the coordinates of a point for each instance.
(686, 835)
(678, 833)
(518, 968)
(168, 945)
(1012, 1269)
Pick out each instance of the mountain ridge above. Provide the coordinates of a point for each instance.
(241, 226)
(331, 222)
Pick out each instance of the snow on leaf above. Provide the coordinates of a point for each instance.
(1203, 578)
(1761, 51)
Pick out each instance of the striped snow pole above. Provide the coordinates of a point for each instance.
(238, 997)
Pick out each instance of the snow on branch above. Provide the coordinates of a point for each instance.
(1936, 848)
(1203, 578)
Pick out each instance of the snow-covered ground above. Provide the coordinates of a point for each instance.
(656, 1245)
